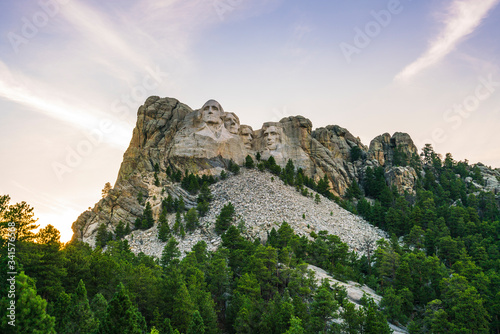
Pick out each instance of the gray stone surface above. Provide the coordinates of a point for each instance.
(355, 292)
(262, 204)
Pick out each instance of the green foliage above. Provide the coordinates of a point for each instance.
(22, 215)
(122, 316)
(353, 191)
(191, 183)
(249, 163)
(99, 306)
(224, 218)
(163, 227)
(140, 198)
(443, 279)
(204, 199)
(271, 165)
(191, 219)
(400, 158)
(179, 205)
(157, 181)
(233, 167)
(355, 153)
(196, 326)
(170, 253)
(323, 309)
(120, 230)
(103, 236)
(29, 315)
(81, 319)
(317, 199)
(295, 326)
(146, 221)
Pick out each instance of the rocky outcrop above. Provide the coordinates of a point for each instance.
(355, 292)
(403, 178)
(339, 141)
(169, 135)
(491, 179)
(383, 147)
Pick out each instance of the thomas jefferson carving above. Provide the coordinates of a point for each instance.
(232, 122)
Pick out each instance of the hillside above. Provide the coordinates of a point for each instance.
(263, 204)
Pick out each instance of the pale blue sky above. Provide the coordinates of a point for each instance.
(89, 62)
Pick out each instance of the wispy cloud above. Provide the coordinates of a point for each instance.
(37, 96)
(463, 17)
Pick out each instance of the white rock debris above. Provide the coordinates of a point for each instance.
(262, 201)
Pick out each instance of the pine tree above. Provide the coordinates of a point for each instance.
(177, 223)
(30, 310)
(106, 189)
(122, 317)
(202, 208)
(60, 309)
(224, 218)
(168, 204)
(205, 193)
(323, 309)
(20, 213)
(295, 326)
(120, 230)
(196, 326)
(204, 199)
(164, 228)
(182, 309)
(81, 318)
(181, 207)
(249, 163)
(103, 236)
(127, 229)
(374, 320)
(233, 167)
(317, 199)
(99, 306)
(191, 219)
(170, 253)
(352, 319)
(147, 217)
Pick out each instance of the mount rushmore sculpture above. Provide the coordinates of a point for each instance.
(171, 135)
(210, 132)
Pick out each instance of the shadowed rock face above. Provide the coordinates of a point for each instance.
(168, 133)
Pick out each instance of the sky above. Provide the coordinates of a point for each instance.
(73, 74)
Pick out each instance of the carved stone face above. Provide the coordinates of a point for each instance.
(272, 138)
(232, 123)
(246, 135)
(212, 113)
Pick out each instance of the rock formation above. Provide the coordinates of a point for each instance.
(171, 135)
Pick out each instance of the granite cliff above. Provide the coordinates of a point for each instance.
(171, 135)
